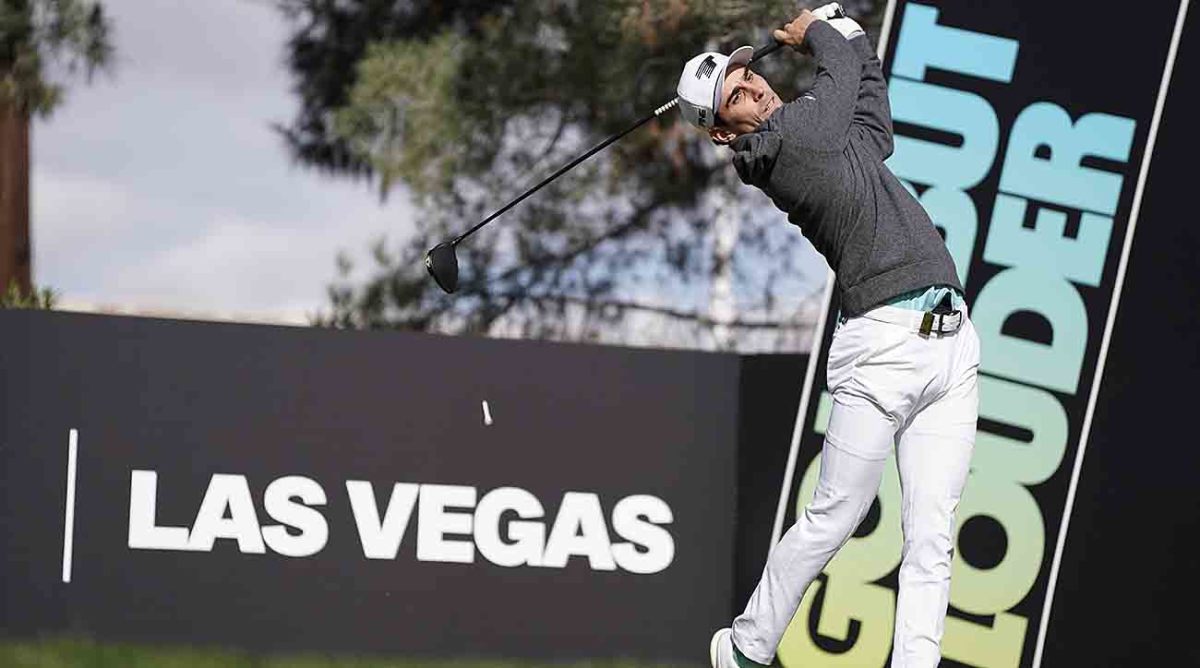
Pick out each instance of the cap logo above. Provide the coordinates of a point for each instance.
(707, 67)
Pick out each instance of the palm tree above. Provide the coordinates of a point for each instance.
(65, 36)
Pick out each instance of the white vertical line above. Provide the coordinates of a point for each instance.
(69, 522)
(798, 427)
(1163, 85)
(815, 352)
(885, 28)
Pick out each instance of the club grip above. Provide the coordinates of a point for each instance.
(764, 51)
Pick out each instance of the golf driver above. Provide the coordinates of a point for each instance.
(441, 260)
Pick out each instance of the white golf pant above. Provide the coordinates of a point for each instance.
(890, 385)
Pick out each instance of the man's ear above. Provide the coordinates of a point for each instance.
(721, 136)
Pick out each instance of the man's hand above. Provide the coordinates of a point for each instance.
(792, 34)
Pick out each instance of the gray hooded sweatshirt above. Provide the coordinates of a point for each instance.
(820, 159)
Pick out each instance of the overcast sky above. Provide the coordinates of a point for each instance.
(163, 187)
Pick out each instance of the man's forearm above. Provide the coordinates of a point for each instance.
(862, 46)
(871, 74)
(872, 113)
(835, 57)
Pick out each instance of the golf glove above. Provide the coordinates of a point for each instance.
(829, 11)
(847, 26)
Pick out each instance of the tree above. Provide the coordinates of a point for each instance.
(36, 36)
(470, 105)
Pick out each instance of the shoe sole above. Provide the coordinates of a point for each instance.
(712, 648)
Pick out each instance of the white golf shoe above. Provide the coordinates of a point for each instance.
(720, 650)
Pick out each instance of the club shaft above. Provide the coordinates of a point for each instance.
(562, 170)
(758, 53)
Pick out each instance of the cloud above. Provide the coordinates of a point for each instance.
(103, 243)
(242, 265)
(163, 186)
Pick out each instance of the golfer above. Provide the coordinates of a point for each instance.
(904, 356)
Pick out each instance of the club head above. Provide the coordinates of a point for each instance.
(442, 264)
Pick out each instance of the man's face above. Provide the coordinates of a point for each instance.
(746, 101)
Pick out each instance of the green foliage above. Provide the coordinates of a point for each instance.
(13, 297)
(483, 100)
(327, 43)
(395, 118)
(73, 35)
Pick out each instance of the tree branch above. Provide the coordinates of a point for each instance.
(677, 314)
(478, 286)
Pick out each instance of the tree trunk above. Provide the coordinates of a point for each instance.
(16, 252)
(722, 305)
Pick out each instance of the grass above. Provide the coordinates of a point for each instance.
(13, 297)
(86, 653)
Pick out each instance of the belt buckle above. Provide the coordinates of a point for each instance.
(942, 330)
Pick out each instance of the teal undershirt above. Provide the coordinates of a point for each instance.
(925, 299)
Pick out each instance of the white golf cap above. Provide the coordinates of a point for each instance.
(700, 84)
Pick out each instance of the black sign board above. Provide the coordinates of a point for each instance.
(303, 489)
